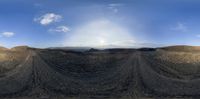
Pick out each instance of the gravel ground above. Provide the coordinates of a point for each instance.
(57, 74)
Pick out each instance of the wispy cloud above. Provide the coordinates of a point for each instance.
(181, 27)
(48, 18)
(7, 34)
(37, 5)
(61, 29)
(115, 7)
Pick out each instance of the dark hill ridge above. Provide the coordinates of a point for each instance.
(31, 73)
(79, 49)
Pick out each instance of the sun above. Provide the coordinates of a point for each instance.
(99, 33)
(102, 42)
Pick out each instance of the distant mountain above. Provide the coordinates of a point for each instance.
(111, 47)
(132, 45)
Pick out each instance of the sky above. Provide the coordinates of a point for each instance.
(96, 23)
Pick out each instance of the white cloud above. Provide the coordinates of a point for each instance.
(7, 34)
(115, 4)
(48, 18)
(37, 5)
(115, 7)
(180, 27)
(61, 29)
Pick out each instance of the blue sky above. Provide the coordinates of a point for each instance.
(47, 23)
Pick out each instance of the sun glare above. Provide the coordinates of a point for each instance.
(102, 42)
(99, 33)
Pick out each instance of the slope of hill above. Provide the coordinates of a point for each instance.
(182, 48)
(3, 48)
(20, 48)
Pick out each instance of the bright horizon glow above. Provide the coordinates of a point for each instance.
(101, 32)
(102, 42)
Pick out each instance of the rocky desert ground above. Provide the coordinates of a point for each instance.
(160, 73)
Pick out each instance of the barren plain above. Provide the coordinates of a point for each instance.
(168, 72)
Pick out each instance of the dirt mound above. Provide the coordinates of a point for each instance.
(3, 48)
(10, 59)
(20, 48)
